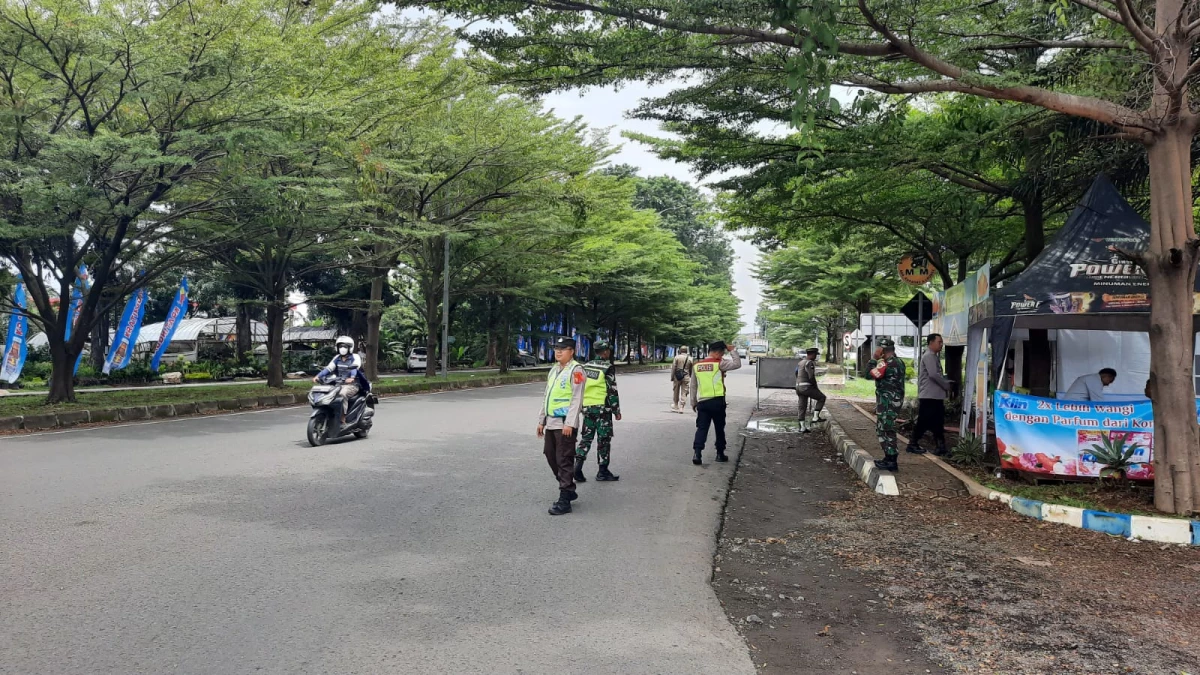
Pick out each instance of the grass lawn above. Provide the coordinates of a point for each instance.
(860, 388)
(1114, 499)
(11, 406)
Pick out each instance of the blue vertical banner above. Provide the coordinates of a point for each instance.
(15, 345)
(82, 284)
(174, 316)
(127, 332)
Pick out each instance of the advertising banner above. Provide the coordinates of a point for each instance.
(15, 346)
(127, 332)
(81, 285)
(1061, 437)
(174, 316)
(956, 308)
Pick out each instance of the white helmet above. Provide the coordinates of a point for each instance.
(344, 341)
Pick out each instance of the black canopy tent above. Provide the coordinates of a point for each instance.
(1078, 281)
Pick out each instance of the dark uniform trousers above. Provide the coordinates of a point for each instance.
(560, 455)
(711, 411)
(931, 416)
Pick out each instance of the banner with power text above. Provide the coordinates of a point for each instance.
(15, 345)
(127, 332)
(174, 316)
(1069, 438)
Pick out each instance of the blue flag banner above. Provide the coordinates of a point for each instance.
(174, 316)
(82, 284)
(127, 332)
(15, 347)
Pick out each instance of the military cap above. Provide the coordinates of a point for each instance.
(601, 346)
(886, 343)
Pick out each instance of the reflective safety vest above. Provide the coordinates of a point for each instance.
(595, 386)
(558, 391)
(708, 380)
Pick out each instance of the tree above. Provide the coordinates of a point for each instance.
(1132, 72)
(109, 107)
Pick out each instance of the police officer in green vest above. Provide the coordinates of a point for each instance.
(708, 396)
(601, 404)
(559, 415)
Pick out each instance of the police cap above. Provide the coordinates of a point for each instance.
(563, 342)
(718, 346)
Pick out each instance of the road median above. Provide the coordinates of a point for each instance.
(18, 415)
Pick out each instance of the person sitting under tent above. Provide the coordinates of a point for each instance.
(1091, 387)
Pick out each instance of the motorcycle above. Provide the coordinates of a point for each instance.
(325, 424)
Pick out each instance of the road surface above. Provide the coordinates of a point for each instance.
(226, 545)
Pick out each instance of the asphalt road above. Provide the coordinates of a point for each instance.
(226, 545)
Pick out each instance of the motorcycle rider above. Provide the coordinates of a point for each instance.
(345, 365)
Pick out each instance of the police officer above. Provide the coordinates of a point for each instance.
(601, 404)
(708, 396)
(888, 371)
(558, 417)
(806, 388)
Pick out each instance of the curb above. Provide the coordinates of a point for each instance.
(861, 461)
(47, 421)
(1148, 528)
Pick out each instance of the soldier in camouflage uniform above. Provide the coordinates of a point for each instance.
(601, 405)
(888, 371)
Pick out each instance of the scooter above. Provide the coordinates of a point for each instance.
(325, 424)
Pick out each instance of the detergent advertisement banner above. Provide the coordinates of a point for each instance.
(1064, 437)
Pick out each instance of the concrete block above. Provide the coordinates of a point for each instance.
(247, 403)
(207, 407)
(172, 378)
(286, 399)
(887, 486)
(11, 423)
(46, 421)
(185, 409)
(1196, 533)
(1166, 530)
(1002, 497)
(1026, 507)
(136, 413)
(1065, 515)
(228, 404)
(161, 411)
(1108, 523)
(70, 419)
(104, 415)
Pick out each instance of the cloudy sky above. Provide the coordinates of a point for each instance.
(606, 109)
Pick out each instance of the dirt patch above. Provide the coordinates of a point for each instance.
(914, 586)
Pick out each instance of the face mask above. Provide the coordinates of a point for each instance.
(343, 350)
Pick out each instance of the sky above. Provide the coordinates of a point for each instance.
(606, 109)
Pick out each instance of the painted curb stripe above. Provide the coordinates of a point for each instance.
(861, 462)
(1117, 524)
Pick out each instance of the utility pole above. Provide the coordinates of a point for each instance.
(446, 308)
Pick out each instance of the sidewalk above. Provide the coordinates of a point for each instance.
(918, 477)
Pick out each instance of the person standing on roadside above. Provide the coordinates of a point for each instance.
(558, 418)
(932, 390)
(708, 397)
(806, 388)
(601, 404)
(681, 377)
(888, 371)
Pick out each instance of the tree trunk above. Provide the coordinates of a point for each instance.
(1170, 265)
(244, 333)
(433, 330)
(276, 312)
(506, 350)
(374, 318)
(62, 374)
(100, 342)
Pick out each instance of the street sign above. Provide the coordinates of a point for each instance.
(915, 269)
(919, 310)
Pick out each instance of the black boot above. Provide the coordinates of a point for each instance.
(563, 505)
(888, 463)
(571, 495)
(605, 474)
(579, 477)
(915, 449)
(696, 459)
(721, 456)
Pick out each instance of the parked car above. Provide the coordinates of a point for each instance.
(524, 359)
(417, 359)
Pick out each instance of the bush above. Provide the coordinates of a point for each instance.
(197, 376)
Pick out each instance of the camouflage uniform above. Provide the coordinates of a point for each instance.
(889, 395)
(598, 419)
